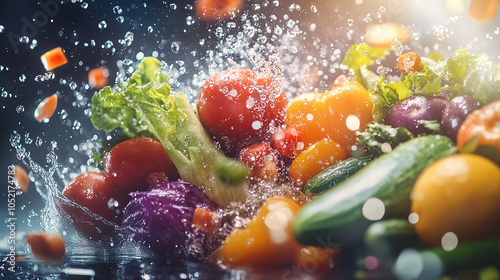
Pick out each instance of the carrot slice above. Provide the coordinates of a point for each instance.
(53, 59)
(98, 77)
(409, 62)
(203, 220)
(213, 10)
(22, 178)
(47, 247)
(46, 108)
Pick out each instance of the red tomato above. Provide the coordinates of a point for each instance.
(288, 142)
(482, 126)
(94, 191)
(238, 107)
(129, 163)
(261, 159)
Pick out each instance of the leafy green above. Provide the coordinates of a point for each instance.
(145, 105)
(463, 73)
(376, 137)
(359, 58)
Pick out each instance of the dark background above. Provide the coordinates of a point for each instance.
(73, 26)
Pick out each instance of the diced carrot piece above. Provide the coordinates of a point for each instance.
(483, 10)
(382, 35)
(22, 178)
(213, 10)
(46, 108)
(203, 220)
(53, 59)
(47, 247)
(409, 62)
(340, 80)
(98, 77)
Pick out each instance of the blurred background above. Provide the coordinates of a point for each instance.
(311, 38)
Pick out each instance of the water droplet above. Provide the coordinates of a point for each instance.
(51, 157)
(190, 20)
(64, 114)
(120, 19)
(173, 6)
(38, 141)
(107, 45)
(20, 109)
(219, 32)
(72, 85)
(128, 39)
(397, 47)
(314, 9)
(33, 44)
(350, 22)
(24, 39)
(175, 47)
(22, 78)
(117, 10)
(2, 28)
(150, 29)
(102, 25)
(85, 5)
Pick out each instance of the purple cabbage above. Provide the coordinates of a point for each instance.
(161, 218)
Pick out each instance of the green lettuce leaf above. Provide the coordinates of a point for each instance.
(145, 105)
(359, 58)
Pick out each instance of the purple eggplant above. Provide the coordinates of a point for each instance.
(455, 113)
(411, 111)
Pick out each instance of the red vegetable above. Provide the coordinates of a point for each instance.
(96, 192)
(239, 107)
(261, 159)
(129, 163)
(288, 142)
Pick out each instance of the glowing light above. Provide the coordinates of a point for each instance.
(373, 209)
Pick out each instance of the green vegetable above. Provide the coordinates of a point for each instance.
(336, 216)
(359, 58)
(435, 262)
(335, 174)
(387, 238)
(145, 105)
(377, 135)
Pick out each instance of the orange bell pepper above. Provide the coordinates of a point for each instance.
(335, 114)
(315, 159)
(53, 59)
(268, 241)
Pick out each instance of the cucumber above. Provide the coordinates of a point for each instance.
(388, 237)
(335, 174)
(335, 218)
(436, 262)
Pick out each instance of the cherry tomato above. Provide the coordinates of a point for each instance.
(129, 163)
(239, 107)
(481, 125)
(288, 142)
(96, 192)
(261, 159)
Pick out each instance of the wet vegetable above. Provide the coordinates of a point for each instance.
(335, 114)
(161, 218)
(240, 107)
(455, 113)
(129, 163)
(23, 181)
(411, 111)
(98, 77)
